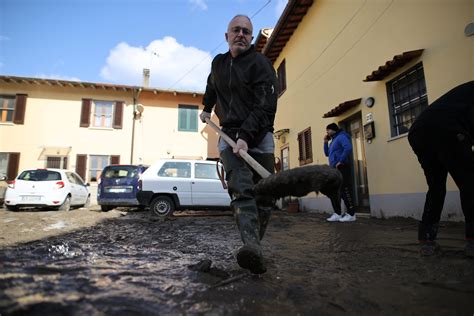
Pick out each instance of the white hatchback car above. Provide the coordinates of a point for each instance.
(182, 184)
(57, 188)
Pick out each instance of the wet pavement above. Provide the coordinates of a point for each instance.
(135, 265)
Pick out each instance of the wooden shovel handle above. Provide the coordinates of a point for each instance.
(245, 156)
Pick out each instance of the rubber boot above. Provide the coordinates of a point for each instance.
(469, 247)
(265, 203)
(264, 214)
(249, 256)
(427, 238)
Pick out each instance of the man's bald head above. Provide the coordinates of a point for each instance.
(239, 34)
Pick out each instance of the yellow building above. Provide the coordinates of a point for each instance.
(371, 66)
(85, 126)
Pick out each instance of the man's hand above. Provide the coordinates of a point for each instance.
(204, 115)
(241, 144)
(326, 138)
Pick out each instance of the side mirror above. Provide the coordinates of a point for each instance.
(3, 178)
(88, 184)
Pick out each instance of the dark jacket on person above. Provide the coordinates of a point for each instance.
(339, 149)
(244, 91)
(452, 113)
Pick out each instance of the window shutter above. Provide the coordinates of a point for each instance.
(118, 115)
(81, 162)
(85, 112)
(308, 146)
(300, 148)
(20, 107)
(13, 163)
(115, 160)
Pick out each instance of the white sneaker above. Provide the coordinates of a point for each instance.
(348, 218)
(334, 218)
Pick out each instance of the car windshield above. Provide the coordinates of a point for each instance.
(120, 172)
(39, 175)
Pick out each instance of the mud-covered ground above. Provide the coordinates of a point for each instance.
(129, 264)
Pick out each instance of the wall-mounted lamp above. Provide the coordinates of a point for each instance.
(369, 102)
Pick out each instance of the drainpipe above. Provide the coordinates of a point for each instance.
(136, 95)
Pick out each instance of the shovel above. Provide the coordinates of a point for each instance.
(293, 182)
(245, 156)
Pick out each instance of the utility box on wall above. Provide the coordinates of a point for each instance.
(369, 131)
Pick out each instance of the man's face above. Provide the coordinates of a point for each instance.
(330, 132)
(239, 35)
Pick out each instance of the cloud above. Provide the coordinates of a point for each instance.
(168, 61)
(57, 77)
(199, 4)
(4, 38)
(279, 7)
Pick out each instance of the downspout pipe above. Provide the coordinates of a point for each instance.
(136, 95)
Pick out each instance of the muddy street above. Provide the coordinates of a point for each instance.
(131, 264)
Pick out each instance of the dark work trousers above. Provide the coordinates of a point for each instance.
(241, 179)
(346, 192)
(438, 154)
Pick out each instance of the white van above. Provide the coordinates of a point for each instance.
(171, 184)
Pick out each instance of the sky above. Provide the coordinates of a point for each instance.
(111, 41)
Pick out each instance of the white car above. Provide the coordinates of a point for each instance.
(57, 188)
(182, 184)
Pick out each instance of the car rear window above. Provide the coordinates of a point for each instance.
(39, 175)
(120, 172)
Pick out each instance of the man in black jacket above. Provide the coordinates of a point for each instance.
(442, 139)
(242, 86)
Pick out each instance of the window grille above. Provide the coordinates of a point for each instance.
(407, 99)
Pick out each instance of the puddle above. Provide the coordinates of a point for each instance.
(58, 225)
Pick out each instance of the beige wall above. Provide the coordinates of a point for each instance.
(157, 134)
(340, 42)
(52, 119)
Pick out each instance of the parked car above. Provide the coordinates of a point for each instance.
(56, 188)
(118, 186)
(3, 188)
(171, 184)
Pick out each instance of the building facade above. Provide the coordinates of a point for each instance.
(86, 126)
(371, 66)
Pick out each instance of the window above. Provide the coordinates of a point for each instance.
(206, 171)
(97, 164)
(407, 99)
(175, 170)
(188, 118)
(3, 164)
(7, 106)
(102, 115)
(40, 175)
(305, 147)
(281, 73)
(56, 162)
(9, 163)
(106, 114)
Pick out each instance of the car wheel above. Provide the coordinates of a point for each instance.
(106, 208)
(66, 206)
(12, 208)
(162, 206)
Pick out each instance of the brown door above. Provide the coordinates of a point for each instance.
(354, 127)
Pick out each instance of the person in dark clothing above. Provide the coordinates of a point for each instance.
(442, 139)
(242, 87)
(339, 152)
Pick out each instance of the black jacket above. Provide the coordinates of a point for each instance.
(244, 91)
(453, 113)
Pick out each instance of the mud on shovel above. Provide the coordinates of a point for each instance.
(295, 182)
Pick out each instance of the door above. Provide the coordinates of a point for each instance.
(354, 128)
(207, 187)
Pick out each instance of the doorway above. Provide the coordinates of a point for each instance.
(360, 188)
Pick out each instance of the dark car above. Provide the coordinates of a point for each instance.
(118, 186)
